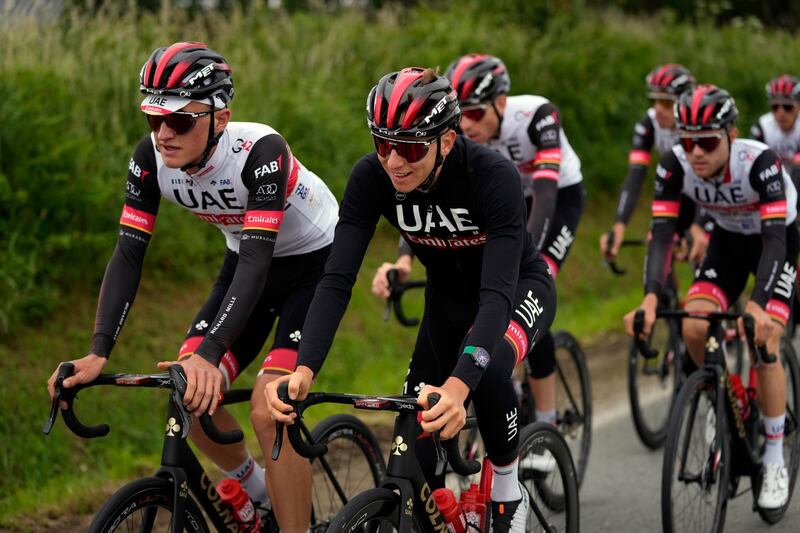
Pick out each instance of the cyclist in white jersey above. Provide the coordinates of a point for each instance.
(278, 219)
(752, 200)
(656, 130)
(780, 129)
(526, 129)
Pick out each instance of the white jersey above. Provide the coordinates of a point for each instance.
(218, 194)
(515, 141)
(784, 143)
(663, 138)
(734, 201)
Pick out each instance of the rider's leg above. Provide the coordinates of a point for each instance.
(695, 330)
(288, 478)
(542, 378)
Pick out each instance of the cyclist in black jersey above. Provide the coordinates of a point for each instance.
(656, 129)
(527, 130)
(489, 296)
(745, 189)
(241, 177)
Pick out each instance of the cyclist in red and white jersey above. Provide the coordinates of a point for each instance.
(278, 219)
(744, 187)
(488, 295)
(656, 130)
(780, 129)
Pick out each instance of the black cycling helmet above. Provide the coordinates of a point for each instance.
(706, 107)
(782, 88)
(188, 70)
(478, 78)
(668, 81)
(412, 103)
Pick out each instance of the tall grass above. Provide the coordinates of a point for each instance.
(69, 119)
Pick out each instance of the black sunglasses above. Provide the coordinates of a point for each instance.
(707, 143)
(786, 107)
(178, 121)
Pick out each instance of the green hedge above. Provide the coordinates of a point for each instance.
(69, 105)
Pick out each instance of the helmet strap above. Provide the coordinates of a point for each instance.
(499, 120)
(427, 185)
(212, 142)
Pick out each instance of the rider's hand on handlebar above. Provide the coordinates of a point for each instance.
(649, 305)
(299, 384)
(380, 285)
(448, 415)
(618, 231)
(203, 384)
(87, 369)
(762, 320)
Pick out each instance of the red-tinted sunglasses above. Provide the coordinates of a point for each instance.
(475, 113)
(707, 143)
(179, 122)
(411, 151)
(786, 107)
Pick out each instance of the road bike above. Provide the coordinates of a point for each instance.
(715, 435)
(654, 381)
(180, 496)
(403, 502)
(573, 386)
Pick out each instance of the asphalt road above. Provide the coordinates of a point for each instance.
(622, 489)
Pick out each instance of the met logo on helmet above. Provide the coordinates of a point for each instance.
(202, 73)
(438, 108)
(484, 84)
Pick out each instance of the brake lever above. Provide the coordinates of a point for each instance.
(441, 454)
(64, 371)
(179, 378)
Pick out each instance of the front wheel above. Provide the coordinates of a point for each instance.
(146, 505)
(352, 465)
(371, 511)
(553, 490)
(697, 455)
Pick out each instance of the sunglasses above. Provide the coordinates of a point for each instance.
(411, 151)
(786, 107)
(179, 122)
(707, 143)
(663, 102)
(475, 113)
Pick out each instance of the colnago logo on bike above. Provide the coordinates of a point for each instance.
(222, 509)
(737, 416)
(433, 511)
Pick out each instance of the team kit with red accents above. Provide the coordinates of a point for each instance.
(277, 217)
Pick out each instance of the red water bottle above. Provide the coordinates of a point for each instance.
(473, 505)
(231, 492)
(451, 511)
(742, 401)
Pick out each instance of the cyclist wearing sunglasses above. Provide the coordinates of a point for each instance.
(752, 200)
(242, 178)
(489, 296)
(656, 129)
(780, 129)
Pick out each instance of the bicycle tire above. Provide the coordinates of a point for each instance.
(695, 402)
(791, 438)
(146, 494)
(371, 511)
(650, 409)
(352, 449)
(574, 403)
(556, 495)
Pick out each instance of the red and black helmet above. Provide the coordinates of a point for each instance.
(478, 78)
(188, 70)
(706, 107)
(668, 81)
(412, 103)
(782, 88)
